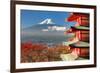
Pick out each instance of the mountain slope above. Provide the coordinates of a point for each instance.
(53, 32)
(46, 27)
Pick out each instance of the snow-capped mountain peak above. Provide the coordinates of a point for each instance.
(47, 21)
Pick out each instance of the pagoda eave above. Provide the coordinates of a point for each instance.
(79, 44)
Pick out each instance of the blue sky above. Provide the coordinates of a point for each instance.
(33, 17)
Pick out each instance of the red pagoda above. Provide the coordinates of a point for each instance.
(81, 31)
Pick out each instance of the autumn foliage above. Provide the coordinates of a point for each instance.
(36, 52)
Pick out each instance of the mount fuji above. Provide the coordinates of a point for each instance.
(47, 21)
(46, 24)
(45, 30)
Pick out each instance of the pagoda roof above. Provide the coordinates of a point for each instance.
(80, 28)
(80, 44)
(77, 28)
(74, 16)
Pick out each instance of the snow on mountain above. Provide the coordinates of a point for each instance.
(53, 27)
(47, 21)
(45, 26)
(46, 31)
